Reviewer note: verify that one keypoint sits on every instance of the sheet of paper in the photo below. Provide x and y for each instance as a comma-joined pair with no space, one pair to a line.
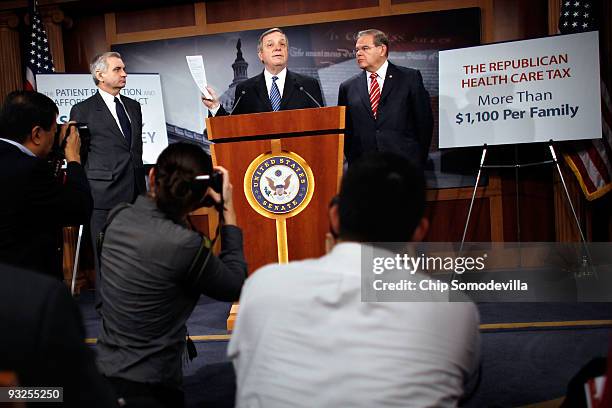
198,73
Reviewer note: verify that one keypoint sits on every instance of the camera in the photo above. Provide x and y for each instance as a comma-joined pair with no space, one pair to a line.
57,153
214,181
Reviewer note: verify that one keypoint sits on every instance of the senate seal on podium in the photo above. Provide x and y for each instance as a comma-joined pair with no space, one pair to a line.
279,185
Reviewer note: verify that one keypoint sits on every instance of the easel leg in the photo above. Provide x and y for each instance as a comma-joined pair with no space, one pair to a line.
516,188
586,258
569,201
467,222
76,260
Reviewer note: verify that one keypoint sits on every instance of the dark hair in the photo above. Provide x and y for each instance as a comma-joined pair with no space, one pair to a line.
24,110
382,199
379,37
177,192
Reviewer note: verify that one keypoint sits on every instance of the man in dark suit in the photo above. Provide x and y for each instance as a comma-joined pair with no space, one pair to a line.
114,165
35,204
388,108
43,340
276,88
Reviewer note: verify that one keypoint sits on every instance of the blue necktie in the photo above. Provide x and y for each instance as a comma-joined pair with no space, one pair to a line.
126,127
275,96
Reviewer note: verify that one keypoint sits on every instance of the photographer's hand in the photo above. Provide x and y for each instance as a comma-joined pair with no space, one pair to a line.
229,214
72,151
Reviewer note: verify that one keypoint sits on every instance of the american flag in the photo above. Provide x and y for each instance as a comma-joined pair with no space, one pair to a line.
589,160
38,56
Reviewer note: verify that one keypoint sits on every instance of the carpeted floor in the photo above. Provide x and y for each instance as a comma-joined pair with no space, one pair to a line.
520,365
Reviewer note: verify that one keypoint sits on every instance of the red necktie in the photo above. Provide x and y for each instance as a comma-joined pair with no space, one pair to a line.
374,93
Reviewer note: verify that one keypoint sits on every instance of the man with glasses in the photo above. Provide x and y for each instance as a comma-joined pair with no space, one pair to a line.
276,88
35,205
388,108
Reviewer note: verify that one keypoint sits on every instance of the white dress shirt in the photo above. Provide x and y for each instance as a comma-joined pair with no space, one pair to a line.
304,338
19,146
280,82
109,100
380,78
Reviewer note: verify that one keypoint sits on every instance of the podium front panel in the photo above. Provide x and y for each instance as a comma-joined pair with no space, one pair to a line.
306,230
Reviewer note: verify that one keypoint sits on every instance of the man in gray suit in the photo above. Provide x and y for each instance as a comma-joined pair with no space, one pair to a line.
114,165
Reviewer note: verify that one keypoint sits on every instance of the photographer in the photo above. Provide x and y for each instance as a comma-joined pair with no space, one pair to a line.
35,205
154,268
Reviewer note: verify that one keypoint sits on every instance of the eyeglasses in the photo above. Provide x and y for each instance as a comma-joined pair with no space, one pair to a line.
365,48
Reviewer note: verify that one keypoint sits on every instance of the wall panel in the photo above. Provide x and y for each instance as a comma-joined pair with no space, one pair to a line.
231,10
447,221
154,19
83,41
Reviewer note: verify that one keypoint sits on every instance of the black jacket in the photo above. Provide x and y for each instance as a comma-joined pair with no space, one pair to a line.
43,340
404,122
255,98
114,169
35,206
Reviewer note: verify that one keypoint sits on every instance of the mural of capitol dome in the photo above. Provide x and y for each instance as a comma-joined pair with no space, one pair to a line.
240,74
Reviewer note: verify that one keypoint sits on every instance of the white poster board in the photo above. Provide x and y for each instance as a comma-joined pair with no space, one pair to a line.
521,92
67,90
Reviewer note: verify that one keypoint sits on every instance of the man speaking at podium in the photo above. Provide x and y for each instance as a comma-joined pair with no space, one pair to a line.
276,88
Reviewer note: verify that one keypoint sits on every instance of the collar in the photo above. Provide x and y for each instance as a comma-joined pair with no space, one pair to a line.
347,256
146,204
19,146
281,76
108,98
382,71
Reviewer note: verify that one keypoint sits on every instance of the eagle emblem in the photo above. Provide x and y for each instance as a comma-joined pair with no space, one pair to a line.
279,189
278,185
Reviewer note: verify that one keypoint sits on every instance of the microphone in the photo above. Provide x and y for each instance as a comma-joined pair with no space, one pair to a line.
237,102
301,88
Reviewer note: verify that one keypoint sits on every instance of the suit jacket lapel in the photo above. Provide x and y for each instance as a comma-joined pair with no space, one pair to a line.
108,117
287,90
262,92
132,114
389,82
362,84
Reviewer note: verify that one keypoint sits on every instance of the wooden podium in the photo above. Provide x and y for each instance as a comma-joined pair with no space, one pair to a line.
241,143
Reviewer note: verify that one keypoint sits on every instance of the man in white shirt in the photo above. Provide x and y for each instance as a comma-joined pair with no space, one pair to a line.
276,88
304,338
114,164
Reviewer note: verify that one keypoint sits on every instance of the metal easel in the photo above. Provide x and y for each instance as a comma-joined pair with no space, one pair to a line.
516,166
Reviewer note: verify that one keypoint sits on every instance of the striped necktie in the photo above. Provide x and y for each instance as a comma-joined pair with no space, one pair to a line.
275,96
374,93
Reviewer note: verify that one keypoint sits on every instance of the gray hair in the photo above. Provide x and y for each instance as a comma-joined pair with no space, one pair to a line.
100,63
380,38
270,31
